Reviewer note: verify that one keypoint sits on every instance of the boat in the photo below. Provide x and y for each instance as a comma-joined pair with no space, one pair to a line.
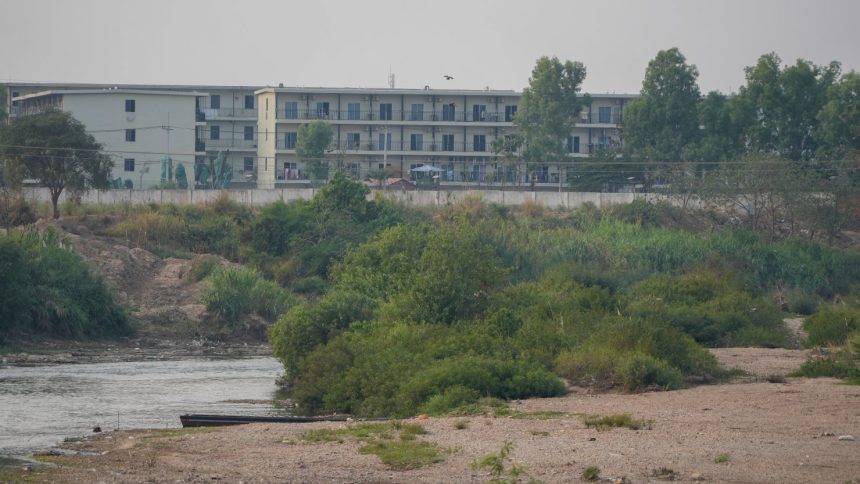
201,420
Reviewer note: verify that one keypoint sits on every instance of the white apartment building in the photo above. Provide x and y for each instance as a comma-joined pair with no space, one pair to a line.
135,127
392,129
401,129
225,120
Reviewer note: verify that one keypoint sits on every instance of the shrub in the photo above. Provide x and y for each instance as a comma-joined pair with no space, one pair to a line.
591,473
831,326
202,267
614,421
237,292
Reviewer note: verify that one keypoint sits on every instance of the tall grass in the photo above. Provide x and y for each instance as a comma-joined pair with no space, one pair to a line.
234,293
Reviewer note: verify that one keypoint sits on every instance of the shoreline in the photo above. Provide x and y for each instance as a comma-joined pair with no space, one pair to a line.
59,352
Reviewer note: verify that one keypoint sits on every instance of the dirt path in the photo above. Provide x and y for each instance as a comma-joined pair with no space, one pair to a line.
769,432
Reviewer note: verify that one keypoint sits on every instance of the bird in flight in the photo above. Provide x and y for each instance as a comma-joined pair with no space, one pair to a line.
447,77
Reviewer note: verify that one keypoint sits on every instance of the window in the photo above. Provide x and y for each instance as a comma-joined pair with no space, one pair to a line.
291,110
322,110
353,141
130,135
128,164
215,101
249,133
509,113
215,132
604,114
479,112
417,112
290,140
416,141
249,101
353,111
249,163
573,144
447,142
129,105
385,112
448,111
382,141
479,142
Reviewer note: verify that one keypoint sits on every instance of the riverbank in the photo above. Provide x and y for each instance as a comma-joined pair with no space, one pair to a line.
762,428
56,352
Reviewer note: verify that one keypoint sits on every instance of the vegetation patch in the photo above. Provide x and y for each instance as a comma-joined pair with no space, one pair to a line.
591,473
500,465
614,421
722,458
404,454
356,432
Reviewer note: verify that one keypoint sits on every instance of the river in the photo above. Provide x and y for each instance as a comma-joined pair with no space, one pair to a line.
41,406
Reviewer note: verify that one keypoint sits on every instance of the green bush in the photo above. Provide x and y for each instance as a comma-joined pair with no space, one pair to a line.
831,326
203,266
53,292
234,293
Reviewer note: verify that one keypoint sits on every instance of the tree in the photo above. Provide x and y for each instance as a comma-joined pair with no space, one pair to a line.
54,148
311,143
778,107
663,123
549,108
839,119
719,133
3,99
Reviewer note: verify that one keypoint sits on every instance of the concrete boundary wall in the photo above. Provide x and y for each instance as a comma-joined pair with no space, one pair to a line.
566,200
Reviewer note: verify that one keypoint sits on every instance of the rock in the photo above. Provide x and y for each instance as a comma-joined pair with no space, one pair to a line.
97,429
696,477
846,437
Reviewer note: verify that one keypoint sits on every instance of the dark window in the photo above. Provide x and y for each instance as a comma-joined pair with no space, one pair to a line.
322,110
447,142
509,113
417,112
291,110
573,144
479,112
249,102
290,140
479,142
249,133
382,141
249,163
129,105
448,111
385,112
604,114
130,135
416,142
215,101
215,132
128,163
353,111
353,141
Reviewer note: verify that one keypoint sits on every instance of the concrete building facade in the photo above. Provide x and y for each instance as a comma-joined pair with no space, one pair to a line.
398,130
137,128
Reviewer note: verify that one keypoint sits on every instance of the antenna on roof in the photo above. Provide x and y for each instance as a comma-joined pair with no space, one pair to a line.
390,78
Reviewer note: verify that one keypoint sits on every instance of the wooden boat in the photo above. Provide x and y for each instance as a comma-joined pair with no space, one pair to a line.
198,420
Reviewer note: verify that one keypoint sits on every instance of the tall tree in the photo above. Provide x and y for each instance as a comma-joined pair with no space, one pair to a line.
839,119
54,148
719,138
662,123
312,140
779,106
549,108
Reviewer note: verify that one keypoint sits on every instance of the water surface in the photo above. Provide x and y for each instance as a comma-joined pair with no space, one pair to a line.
40,406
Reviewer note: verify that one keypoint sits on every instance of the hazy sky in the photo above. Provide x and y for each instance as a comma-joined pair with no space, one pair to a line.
356,42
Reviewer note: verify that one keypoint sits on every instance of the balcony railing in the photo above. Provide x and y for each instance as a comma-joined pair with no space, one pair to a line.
231,143
596,118
404,146
199,146
229,113
423,116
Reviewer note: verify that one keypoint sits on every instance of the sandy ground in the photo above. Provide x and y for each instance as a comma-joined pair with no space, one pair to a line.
771,432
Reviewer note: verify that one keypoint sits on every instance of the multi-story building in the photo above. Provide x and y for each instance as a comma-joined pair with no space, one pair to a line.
457,132
225,120
454,131
137,128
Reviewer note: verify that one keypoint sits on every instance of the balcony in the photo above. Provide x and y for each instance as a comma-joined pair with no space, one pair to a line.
402,147
404,116
595,118
212,113
234,144
200,116
199,146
